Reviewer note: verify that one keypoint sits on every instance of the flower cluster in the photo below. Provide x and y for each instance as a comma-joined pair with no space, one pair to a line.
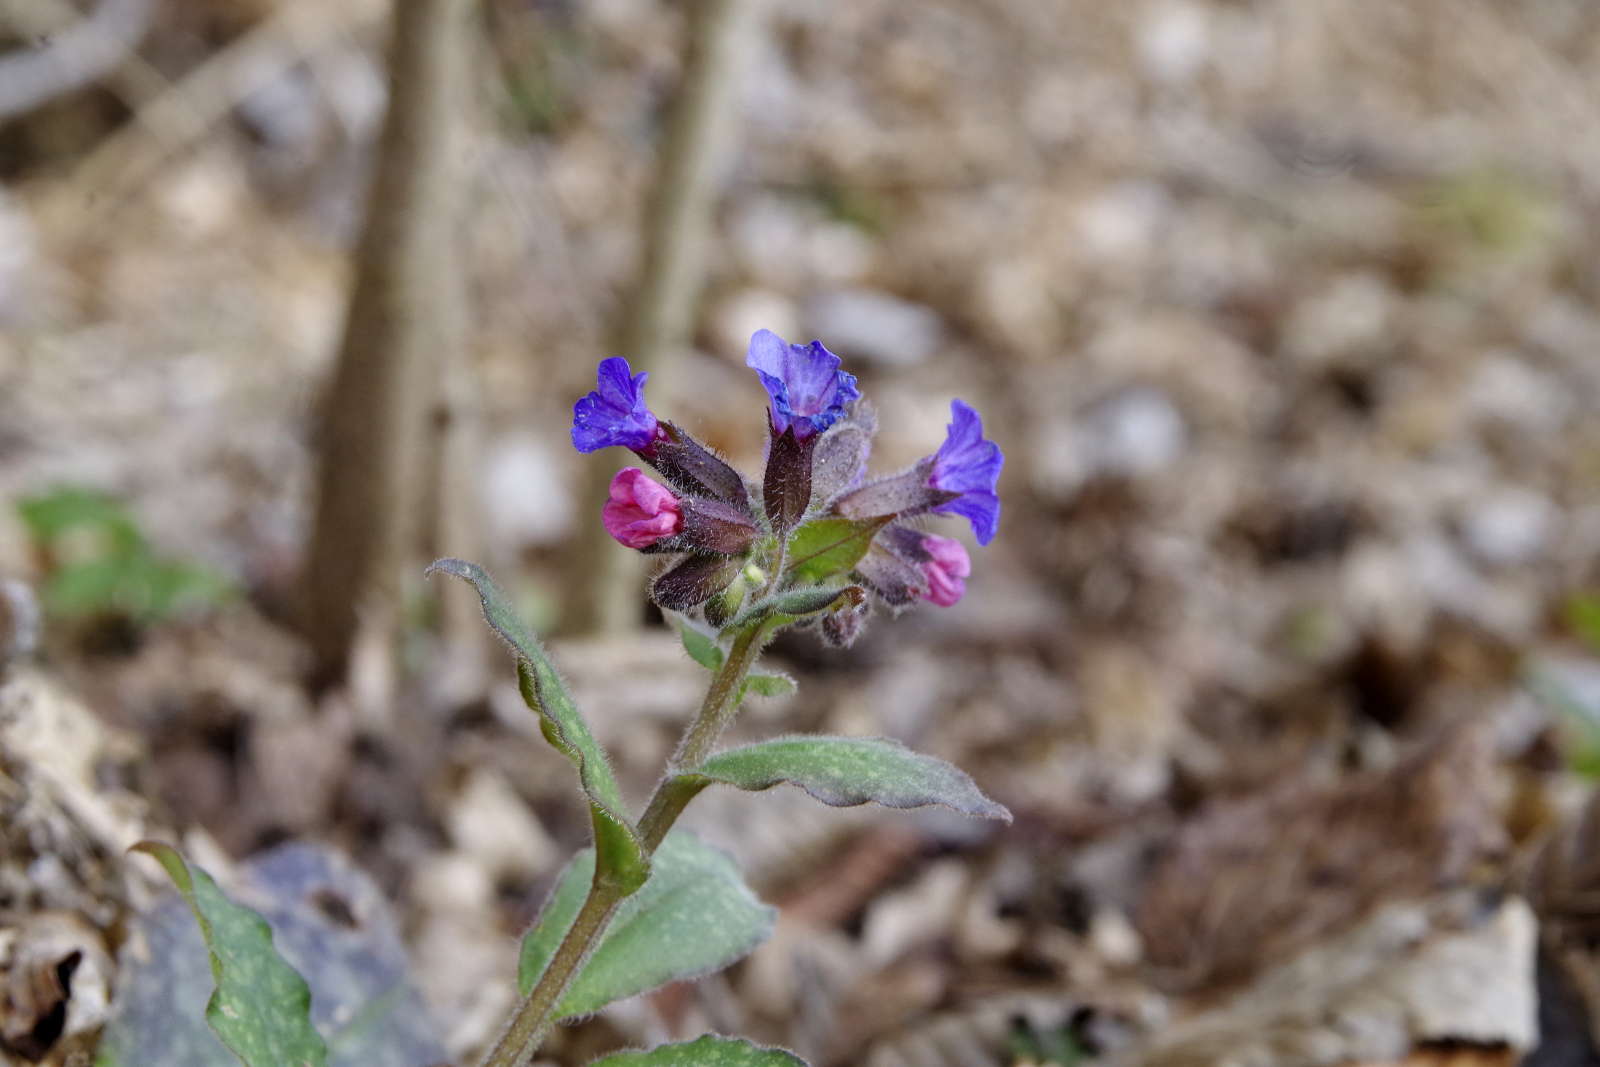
815,520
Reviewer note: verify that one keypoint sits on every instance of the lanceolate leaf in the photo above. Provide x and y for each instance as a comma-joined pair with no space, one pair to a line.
827,547
622,854
844,771
695,915
708,1051
261,1007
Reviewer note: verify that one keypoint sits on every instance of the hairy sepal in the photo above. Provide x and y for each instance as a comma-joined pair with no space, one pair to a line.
694,470
786,484
906,493
841,456
694,580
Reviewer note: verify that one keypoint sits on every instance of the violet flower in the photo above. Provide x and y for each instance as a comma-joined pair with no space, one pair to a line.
809,392
615,412
969,465
946,569
641,510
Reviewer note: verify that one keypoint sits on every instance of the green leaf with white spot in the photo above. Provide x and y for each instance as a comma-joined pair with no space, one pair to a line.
694,916
623,860
845,771
707,1051
828,547
261,1007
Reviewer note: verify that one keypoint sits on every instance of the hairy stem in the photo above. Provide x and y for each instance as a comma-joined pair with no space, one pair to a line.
721,702
532,1021
533,1018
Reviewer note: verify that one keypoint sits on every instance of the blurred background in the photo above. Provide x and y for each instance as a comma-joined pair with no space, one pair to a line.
1287,654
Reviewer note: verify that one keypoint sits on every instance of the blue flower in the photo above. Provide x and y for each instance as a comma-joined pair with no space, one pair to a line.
615,413
808,390
969,465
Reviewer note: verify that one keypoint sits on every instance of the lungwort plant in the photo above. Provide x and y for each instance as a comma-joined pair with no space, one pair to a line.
814,544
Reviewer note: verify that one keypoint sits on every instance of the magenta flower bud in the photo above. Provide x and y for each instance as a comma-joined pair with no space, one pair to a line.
946,569
641,511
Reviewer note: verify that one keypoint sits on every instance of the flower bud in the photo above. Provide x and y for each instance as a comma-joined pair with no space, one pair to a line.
641,511
693,469
946,569
897,581
841,628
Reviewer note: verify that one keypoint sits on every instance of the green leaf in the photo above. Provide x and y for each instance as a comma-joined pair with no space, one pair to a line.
330,922
826,548
707,1051
702,647
695,915
767,685
845,771
794,606
261,1007
623,859
51,514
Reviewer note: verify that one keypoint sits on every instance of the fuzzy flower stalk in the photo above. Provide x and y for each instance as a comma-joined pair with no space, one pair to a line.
814,542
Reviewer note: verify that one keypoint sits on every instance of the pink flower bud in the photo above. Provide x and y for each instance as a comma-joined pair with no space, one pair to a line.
945,568
641,511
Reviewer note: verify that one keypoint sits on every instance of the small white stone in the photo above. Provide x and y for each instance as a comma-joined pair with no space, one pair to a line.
1352,317
452,882
1509,526
526,498
1507,389
1175,43
492,824
1136,432
1123,222
742,312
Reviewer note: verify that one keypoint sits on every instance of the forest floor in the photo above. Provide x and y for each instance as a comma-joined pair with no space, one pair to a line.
1286,659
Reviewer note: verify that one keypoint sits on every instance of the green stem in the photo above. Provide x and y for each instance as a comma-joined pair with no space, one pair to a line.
532,1021
721,702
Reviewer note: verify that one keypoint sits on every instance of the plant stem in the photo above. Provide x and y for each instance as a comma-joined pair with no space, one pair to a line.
722,700
532,1021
